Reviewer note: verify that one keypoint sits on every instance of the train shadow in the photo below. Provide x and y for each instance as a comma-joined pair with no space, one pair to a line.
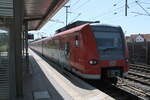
75,80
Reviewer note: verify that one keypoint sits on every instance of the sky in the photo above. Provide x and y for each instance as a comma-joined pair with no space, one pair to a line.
111,12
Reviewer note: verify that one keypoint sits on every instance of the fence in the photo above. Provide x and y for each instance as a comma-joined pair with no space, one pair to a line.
139,52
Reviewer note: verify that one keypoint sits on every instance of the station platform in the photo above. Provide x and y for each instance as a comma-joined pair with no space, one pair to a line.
36,86
44,82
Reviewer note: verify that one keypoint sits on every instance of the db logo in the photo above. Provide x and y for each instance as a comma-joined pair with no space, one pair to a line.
112,63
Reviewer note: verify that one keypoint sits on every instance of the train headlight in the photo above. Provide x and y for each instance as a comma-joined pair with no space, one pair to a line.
93,62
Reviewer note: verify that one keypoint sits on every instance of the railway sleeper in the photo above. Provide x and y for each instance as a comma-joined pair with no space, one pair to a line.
140,75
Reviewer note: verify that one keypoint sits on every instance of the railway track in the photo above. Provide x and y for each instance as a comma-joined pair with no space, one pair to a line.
137,77
139,73
141,91
144,69
135,86
137,81
114,91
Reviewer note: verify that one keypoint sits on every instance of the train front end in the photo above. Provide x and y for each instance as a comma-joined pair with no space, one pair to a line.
112,51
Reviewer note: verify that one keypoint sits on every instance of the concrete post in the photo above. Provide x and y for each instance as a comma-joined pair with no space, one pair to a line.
12,78
18,22
26,46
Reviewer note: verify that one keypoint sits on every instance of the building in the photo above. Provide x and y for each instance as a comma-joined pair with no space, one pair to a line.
139,37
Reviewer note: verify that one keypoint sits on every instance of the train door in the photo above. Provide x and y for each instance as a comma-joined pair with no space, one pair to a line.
75,51
58,51
64,52
67,54
61,52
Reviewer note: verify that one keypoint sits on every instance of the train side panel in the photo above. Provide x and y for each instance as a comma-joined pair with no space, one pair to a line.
77,50
88,52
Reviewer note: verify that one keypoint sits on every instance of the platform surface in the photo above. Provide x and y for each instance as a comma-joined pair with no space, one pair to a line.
49,84
36,86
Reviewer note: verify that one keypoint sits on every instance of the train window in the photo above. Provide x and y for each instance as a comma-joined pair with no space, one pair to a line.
109,44
76,42
67,48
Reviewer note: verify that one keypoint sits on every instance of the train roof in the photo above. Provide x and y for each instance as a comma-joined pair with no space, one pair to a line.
104,25
77,26
74,24
74,29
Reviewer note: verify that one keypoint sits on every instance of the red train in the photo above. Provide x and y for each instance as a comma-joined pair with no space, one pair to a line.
90,51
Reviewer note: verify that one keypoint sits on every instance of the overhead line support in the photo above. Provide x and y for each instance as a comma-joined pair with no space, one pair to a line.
126,7
67,14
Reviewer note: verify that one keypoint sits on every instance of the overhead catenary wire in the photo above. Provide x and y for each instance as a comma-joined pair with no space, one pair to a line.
76,17
87,1
103,14
108,12
82,5
56,21
145,2
76,3
138,13
142,7
115,17
120,1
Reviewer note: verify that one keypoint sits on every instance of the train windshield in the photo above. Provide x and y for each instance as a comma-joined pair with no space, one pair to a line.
109,45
